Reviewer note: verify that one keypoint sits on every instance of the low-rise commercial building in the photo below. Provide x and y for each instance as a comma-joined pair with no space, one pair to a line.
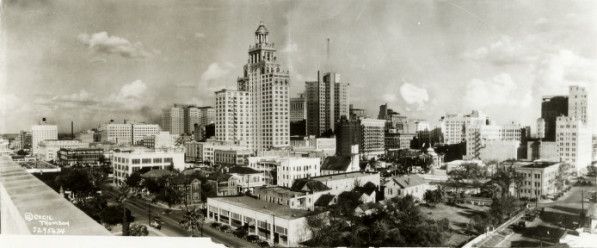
160,140
339,183
539,178
277,224
247,178
232,156
206,150
124,163
80,156
190,151
48,149
302,195
292,168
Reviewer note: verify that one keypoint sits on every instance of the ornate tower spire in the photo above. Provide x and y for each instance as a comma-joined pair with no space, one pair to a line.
261,34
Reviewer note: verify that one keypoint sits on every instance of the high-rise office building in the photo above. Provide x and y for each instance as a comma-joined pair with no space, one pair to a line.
41,132
297,108
574,142
348,133
356,113
479,135
454,126
141,130
261,120
540,128
118,133
551,108
327,101
233,118
173,119
577,103
127,133
372,137
192,116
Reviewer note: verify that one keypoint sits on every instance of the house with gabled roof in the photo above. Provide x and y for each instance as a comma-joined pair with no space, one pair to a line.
400,186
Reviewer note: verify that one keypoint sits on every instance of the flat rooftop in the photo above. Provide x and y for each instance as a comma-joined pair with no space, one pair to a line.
281,190
263,206
37,165
345,175
38,207
538,164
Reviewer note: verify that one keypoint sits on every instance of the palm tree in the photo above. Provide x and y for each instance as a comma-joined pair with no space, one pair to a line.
193,219
123,194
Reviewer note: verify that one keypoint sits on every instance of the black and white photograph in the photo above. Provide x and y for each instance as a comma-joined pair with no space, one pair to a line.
280,123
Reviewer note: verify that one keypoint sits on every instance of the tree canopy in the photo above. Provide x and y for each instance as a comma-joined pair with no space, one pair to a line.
398,223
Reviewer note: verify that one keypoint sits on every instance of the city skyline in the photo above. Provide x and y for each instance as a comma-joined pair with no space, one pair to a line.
131,66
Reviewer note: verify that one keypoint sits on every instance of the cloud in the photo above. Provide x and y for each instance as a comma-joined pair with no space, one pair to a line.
504,51
498,91
213,78
389,97
130,96
82,98
290,47
413,94
554,72
102,43
199,35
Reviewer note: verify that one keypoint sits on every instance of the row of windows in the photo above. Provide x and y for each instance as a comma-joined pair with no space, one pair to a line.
149,160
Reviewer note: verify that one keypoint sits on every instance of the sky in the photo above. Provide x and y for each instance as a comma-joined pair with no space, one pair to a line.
92,61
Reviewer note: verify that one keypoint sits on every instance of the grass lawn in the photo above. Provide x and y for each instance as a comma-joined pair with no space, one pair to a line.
459,217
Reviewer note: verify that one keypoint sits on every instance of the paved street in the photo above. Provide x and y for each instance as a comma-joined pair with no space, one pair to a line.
560,214
172,228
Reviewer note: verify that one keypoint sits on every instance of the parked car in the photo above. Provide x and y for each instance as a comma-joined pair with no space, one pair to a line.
263,243
252,238
215,225
224,228
156,223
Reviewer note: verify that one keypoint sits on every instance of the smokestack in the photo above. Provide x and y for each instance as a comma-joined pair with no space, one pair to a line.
72,131
124,121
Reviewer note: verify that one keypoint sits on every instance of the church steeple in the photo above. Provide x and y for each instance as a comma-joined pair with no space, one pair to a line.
261,34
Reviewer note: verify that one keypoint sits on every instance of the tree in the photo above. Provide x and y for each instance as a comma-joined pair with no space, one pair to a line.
193,219
111,215
562,176
502,207
433,197
398,223
347,202
134,180
123,194
472,172
138,230
78,181
505,176
22,152
92,206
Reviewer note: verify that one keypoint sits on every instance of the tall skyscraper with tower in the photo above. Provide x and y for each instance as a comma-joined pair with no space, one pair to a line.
327,100
257,113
